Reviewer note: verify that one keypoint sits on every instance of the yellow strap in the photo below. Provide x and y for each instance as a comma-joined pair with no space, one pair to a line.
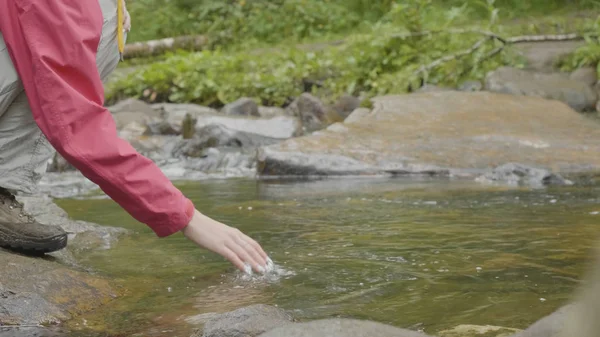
120,33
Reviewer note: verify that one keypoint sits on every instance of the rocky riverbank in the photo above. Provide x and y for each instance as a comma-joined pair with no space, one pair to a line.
46,291
268,321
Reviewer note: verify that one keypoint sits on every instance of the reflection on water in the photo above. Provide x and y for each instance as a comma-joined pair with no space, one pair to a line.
425,254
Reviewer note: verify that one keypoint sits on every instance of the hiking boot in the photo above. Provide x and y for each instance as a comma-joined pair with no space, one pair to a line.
20,232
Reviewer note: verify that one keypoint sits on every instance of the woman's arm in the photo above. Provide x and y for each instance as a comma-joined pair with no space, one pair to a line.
53,45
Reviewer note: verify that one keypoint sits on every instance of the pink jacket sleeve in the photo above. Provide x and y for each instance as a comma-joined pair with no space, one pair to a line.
53,45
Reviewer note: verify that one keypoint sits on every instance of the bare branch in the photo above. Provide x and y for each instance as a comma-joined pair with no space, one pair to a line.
454,56
450,31
544,38
156,47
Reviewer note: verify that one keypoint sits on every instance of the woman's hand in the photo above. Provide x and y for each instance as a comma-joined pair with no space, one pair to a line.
226,241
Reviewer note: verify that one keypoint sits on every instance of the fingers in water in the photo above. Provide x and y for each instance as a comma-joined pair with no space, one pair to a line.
234,259
243,255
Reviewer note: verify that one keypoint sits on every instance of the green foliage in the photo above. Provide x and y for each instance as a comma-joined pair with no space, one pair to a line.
383,57
585,56
385,60
269,21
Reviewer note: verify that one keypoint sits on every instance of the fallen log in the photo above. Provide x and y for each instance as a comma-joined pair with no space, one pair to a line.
157,47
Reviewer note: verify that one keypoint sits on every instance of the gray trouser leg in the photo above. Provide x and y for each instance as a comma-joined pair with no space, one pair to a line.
24,150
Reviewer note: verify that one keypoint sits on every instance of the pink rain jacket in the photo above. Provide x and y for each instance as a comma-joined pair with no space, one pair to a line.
53,46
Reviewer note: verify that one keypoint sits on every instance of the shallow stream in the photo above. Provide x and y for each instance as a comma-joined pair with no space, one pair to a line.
420,254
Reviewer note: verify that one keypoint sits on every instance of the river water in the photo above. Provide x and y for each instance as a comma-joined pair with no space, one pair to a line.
420,254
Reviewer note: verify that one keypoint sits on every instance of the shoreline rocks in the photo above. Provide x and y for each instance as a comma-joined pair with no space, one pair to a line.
49,290
442,133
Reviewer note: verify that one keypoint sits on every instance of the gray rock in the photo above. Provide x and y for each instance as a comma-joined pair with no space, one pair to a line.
357,115
585,75
82,235
507,80
549,326
345,105
310,110
215,135
242,107
442,133
172,114
432,88
49,290
133,111
468,330
518,174
132,105
543,56
246,322
471,86
340,328
282,127
59,164
31,332
270,111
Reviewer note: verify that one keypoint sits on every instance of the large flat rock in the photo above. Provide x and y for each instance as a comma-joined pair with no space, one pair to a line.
443,132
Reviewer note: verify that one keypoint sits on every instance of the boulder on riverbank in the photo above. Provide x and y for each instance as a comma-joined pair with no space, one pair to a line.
467,330
246,322
51,289
340,328
442,133
553,86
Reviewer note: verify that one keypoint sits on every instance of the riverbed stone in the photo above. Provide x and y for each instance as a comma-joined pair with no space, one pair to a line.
522,175
340,328
556,86
31,332
468,330
441,133
246,322
242,107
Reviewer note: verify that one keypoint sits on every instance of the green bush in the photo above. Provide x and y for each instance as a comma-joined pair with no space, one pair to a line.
387,57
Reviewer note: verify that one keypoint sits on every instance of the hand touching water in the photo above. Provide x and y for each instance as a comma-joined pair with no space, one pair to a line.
226,241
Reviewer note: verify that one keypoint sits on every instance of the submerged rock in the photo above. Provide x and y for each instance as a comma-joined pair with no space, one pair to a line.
340,328
578,95
246,322
31,332
442,133
517,174
466,330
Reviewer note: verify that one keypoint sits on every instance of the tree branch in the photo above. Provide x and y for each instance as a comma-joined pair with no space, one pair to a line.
489,36
157,47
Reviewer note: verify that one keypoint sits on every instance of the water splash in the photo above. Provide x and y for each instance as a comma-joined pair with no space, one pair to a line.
273,273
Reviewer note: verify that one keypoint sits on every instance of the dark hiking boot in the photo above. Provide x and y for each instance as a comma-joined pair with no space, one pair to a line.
20,232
